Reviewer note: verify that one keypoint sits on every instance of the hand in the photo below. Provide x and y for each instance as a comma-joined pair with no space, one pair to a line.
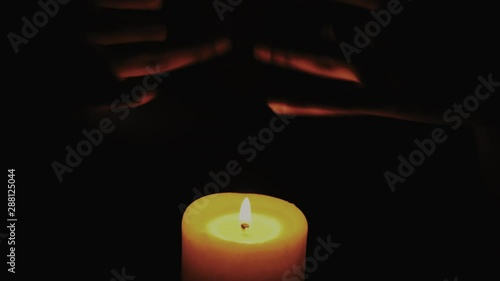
382,80
136,26
424,82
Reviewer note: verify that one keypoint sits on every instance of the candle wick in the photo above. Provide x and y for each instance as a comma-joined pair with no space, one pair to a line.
244,225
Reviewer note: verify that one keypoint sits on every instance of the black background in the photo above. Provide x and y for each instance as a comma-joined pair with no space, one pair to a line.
119,208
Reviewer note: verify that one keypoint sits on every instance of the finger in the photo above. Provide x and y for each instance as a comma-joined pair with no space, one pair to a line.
130,102
130,4
319,110
358,101
283,108
137,65
407,113
155,33
326,67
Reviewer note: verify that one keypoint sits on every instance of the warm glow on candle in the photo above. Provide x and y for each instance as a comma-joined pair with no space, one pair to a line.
260,242
263,228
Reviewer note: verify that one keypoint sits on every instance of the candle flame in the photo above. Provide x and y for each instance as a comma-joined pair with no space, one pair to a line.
245,213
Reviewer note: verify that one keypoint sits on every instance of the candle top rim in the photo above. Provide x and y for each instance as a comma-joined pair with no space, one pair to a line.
205,209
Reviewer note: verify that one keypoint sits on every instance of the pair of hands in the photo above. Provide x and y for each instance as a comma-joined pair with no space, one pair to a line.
374,87
385,97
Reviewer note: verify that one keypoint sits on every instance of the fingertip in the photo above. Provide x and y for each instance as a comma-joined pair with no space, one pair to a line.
262,53
104,110
146,98
283,108
279,108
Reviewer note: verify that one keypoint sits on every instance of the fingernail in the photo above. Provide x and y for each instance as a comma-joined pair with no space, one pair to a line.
146,98
221,46
262,53
278,108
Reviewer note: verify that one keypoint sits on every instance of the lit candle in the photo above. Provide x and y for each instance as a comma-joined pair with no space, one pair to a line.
240,237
